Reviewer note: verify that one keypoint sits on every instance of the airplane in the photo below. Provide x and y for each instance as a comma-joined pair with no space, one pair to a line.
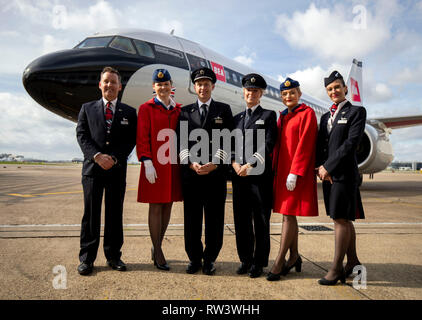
62,81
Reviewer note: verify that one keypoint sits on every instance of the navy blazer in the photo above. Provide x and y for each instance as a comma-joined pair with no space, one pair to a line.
260,119
336,150
93,136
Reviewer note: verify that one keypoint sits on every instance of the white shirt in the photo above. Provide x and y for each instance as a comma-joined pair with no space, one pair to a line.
201,103
113,104
332,117
172,103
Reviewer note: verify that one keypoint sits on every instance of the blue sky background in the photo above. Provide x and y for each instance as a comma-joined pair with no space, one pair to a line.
302,39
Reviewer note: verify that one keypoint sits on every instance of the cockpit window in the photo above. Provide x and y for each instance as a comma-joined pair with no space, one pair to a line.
144,49
123,44
94,42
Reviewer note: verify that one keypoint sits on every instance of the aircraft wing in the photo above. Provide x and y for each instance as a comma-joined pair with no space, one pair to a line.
400,122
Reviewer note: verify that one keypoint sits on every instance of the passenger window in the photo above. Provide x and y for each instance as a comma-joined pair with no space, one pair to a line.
94,42
122,44
144,49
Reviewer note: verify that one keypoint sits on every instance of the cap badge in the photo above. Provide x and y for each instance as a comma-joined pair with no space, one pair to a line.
337,75
201,72
160,75
253,80
287,83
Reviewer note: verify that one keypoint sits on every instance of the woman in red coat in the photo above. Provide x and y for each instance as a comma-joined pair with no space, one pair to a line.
295,189
159,179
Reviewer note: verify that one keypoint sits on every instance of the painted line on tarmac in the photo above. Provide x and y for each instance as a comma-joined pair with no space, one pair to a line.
50,193
181,224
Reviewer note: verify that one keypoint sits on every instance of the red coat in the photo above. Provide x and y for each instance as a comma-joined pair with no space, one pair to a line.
295,153
151,119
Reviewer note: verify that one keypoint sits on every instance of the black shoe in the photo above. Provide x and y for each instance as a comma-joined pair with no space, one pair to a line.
164,266
273,276
325,282
85,268
297,265
118,265
243,268
349,271
193,267
255,271
208,268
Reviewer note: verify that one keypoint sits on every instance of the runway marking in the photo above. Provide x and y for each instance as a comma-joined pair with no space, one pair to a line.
181,224
49,193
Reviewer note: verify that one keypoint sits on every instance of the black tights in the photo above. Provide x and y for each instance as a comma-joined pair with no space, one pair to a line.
158,220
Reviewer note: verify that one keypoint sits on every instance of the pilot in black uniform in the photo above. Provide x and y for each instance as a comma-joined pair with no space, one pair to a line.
253,178
204,166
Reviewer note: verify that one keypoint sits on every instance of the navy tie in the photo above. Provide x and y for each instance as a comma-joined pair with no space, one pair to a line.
204,113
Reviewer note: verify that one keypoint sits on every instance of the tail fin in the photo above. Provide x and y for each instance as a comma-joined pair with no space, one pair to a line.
354,83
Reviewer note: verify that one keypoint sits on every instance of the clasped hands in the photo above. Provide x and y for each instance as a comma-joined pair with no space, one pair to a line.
203,169
323,174
105,161
240,170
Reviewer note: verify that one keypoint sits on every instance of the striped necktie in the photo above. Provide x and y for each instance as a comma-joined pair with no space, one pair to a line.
109,115
333,109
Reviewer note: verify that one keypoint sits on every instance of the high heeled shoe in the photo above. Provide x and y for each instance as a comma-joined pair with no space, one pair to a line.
325,282
164,266
274,276
349,271
297,265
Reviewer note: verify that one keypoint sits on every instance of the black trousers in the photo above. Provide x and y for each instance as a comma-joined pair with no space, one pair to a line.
252,198
114,186
204,196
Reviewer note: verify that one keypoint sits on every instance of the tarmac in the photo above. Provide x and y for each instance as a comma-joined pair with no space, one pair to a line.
40,214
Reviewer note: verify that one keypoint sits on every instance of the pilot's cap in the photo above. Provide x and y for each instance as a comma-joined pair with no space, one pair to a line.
161,75
254,80
289,83
335,75
203,73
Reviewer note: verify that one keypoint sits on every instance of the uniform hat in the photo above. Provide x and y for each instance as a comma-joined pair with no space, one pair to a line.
289,83
335,75
203,73
161,75
254,80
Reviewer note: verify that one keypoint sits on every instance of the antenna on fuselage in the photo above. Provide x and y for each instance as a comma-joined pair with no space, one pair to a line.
172,32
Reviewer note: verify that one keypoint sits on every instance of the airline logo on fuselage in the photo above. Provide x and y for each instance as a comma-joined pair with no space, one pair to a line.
219,71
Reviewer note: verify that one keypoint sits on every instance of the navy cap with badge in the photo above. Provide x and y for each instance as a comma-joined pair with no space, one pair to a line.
161,75
335,75
289,83
254,80
203,73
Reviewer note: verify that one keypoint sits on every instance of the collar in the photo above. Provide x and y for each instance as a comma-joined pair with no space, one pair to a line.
253,108
113,103
286,111
208,103
158,101
341,104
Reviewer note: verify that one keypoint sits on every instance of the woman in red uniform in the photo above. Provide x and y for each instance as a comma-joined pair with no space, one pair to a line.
295,189
159,179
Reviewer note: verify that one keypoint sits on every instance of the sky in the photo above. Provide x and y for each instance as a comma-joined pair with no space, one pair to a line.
304,40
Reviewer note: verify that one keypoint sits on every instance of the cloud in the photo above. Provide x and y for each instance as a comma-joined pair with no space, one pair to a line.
331,33
246,57
34,132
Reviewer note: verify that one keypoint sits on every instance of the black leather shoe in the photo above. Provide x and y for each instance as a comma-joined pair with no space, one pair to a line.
85,268
118,265
255,271
325,282
193,267
297,265
208,268
243,268
273,276
164,266
349,271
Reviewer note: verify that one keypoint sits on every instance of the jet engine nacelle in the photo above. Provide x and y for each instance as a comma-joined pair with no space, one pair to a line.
375,151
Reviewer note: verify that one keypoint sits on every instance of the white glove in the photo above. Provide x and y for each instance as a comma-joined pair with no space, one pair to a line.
291,182
150,172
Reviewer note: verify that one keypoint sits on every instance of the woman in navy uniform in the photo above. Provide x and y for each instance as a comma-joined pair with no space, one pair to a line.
159,180
340,132
204,172
252,192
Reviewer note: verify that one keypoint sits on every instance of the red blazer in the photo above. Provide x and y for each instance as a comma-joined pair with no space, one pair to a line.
151,119
295,153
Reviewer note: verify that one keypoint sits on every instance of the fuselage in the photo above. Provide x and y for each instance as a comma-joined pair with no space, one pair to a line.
62,81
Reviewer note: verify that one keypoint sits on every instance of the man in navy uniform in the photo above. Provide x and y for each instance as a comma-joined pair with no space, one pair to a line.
340,131
106,133
204,172
252,192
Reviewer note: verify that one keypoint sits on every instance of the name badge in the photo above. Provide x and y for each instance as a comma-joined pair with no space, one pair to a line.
342,121
124,121
260,121
218,120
